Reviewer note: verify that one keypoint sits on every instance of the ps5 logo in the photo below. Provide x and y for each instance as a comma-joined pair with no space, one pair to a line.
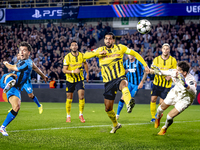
46,13
37,14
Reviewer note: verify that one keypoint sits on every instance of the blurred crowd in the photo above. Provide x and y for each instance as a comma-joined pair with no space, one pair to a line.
184,40
51,43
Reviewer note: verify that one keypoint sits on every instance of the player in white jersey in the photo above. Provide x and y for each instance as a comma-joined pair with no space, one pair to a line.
180,96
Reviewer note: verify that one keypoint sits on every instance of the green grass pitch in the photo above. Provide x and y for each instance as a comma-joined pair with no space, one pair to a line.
30,130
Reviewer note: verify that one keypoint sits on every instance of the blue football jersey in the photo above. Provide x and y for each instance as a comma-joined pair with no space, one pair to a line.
24,73
135,71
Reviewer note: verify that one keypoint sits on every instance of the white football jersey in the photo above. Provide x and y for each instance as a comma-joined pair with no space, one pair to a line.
190,80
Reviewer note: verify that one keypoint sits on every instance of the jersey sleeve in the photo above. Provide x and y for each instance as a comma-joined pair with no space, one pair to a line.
136,55
84,60
174,64
66,61
94,53
123,48
154,62
170,72
22,66
192,90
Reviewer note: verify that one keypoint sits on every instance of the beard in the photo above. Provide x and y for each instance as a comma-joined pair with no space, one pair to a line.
74,51
109,46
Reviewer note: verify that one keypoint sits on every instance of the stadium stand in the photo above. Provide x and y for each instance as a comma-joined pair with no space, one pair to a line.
51,42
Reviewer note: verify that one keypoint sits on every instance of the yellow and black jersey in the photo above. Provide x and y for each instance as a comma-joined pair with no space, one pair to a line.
111,64
74,62
167,64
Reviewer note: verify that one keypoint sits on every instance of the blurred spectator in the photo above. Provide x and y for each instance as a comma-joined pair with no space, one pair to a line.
52,83
148,83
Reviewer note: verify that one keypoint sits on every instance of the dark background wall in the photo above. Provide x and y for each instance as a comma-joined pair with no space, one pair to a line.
91,96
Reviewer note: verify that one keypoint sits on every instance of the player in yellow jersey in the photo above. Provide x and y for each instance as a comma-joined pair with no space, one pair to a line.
113,73
72,67
161,84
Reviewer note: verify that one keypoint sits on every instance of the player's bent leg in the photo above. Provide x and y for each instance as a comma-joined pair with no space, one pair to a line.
34,98
15,102
111,114
120,106
130,102
10,81
153,107
159,115
81,104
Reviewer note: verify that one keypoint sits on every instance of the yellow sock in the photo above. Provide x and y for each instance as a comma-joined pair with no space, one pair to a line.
126,95
68,106
112,116
81,105
153,109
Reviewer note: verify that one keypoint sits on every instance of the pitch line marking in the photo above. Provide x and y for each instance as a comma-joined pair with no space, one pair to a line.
95,126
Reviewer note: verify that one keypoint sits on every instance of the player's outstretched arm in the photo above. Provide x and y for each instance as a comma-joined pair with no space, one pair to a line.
38,71
138,57
11,67
94,53
142,81
87,71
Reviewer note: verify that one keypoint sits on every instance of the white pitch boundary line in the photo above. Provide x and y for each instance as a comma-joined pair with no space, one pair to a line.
96,126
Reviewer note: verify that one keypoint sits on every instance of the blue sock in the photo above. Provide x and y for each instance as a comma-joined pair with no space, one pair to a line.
36,101
11,115
120,106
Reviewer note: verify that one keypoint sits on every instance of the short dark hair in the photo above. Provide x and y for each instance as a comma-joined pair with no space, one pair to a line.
110,33
74,41
184,66
24,43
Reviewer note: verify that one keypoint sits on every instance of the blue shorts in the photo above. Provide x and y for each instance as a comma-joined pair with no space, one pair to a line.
28,87
12,92
133,89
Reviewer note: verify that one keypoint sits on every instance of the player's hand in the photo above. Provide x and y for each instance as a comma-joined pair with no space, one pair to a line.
168,78
77,70
147,70
45,78
103,53
156,70
140,85
5,62
126,71
87,77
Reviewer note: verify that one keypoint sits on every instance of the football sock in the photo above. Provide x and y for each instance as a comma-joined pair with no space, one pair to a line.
120,106
68,106
159,111
81,106
153,109
112,116
168,122
11,115
126,95
36,101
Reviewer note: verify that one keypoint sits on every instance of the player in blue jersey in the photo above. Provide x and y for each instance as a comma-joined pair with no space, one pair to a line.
13,82
29,88
136,77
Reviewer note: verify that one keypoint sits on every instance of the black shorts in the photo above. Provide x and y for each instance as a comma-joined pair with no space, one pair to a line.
112,87
159,91
70,87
